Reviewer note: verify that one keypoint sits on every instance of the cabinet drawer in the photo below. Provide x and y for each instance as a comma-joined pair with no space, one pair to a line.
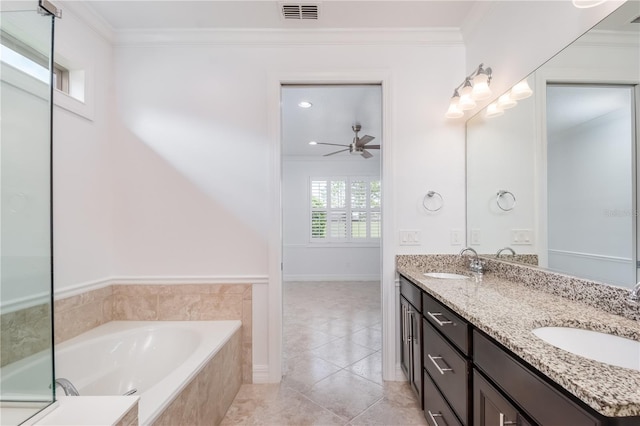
411,292
436,410
490,407
451,325
538,399
448,369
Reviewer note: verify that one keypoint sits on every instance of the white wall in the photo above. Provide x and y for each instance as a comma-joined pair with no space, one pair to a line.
83,169
305,261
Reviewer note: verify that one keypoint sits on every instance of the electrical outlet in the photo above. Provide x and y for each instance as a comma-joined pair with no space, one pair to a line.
409,238
475,237
522,237
456,237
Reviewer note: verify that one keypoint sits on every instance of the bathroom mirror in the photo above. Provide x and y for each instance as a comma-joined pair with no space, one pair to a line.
26,355
555,176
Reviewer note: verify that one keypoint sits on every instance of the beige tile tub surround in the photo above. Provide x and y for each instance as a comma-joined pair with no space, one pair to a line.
206,399
131,418
24,332
148,302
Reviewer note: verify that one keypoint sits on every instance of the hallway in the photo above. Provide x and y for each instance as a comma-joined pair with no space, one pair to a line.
332,364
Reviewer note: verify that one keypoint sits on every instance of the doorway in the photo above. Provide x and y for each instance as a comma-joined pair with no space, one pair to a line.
331,241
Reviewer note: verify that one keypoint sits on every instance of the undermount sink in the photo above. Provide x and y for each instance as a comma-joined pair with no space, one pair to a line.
602,347
446,276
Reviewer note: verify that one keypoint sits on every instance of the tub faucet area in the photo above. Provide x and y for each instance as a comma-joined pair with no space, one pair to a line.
67,386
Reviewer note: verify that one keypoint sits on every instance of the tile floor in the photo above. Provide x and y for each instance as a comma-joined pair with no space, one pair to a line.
332,364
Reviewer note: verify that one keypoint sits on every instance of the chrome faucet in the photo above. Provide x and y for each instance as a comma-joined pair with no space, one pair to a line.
67,387
475,265
635,293
513,252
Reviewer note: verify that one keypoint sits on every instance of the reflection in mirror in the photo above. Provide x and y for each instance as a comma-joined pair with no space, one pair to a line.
568,154
26,355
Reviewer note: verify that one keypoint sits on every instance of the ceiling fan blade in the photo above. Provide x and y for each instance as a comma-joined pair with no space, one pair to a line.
364,140
366,154
333,144
373,147
342,150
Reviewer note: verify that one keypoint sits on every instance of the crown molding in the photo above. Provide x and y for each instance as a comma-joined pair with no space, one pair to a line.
89,16
288,37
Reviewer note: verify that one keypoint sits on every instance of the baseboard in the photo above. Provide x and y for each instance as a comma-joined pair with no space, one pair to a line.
361,277
400,377
260,374
158,280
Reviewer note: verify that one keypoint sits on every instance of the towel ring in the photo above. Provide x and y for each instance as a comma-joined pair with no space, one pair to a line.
432,195
507,206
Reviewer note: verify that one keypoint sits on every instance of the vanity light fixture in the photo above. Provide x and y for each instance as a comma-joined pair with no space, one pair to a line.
505,102
305,104
585,4
521,91
475,87
454,111
313,143
494,110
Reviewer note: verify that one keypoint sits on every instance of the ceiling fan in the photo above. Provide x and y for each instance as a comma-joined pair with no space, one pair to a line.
357,146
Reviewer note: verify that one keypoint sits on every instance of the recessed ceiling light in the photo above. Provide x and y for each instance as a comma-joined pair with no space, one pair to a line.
305,104
313,143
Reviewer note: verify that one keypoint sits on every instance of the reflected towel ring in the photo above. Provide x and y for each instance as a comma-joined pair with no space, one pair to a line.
435,196
507,205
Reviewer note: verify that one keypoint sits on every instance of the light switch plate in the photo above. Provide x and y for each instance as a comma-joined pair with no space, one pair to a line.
522,237
475,237
409,237
456,237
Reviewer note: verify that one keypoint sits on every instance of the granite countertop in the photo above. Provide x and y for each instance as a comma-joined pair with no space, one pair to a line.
508,311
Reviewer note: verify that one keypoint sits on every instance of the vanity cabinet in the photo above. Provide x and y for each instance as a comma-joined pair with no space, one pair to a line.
411,332
464,377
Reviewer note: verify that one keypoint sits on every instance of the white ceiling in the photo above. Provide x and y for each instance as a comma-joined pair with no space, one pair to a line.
335,109
164,14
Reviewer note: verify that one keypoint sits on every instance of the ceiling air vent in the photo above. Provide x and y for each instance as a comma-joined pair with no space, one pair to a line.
300,11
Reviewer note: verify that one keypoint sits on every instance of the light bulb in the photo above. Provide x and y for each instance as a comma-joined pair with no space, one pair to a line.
454,110
481,88
505,102
494,110
521,91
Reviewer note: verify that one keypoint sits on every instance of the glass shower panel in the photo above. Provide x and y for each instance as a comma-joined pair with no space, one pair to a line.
26,355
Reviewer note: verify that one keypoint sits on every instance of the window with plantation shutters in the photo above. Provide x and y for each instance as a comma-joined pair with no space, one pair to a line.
345,209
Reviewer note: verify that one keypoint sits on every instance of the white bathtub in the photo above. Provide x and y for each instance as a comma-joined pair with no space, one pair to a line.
158,358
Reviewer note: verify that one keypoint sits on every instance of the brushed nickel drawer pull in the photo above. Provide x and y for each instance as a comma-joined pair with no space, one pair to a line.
433,418
505,423
433,360
435,315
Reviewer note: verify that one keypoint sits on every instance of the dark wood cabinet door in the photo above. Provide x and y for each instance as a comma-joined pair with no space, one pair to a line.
491,408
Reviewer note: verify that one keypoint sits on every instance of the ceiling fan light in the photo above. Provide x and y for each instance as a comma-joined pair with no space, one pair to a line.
505,102
494,110
521,91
